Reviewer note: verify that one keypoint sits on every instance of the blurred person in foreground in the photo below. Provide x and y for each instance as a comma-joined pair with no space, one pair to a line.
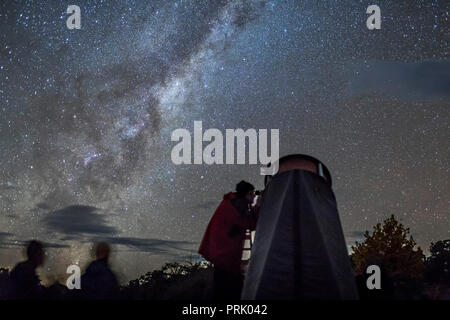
99,282
24,283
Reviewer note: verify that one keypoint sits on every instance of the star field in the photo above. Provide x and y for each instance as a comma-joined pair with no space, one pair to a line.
86,117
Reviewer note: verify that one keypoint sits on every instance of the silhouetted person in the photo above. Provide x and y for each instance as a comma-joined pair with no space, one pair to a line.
99,282
223,240
24,283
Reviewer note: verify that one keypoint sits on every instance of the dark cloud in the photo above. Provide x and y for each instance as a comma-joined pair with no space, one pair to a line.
86,224
420,80
6,243
155,246
78,220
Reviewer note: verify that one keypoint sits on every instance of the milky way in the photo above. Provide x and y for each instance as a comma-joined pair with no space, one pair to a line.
86,117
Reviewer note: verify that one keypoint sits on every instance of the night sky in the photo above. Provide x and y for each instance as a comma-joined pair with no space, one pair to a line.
86,117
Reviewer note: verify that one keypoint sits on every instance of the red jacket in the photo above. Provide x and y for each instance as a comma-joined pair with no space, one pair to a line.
224,238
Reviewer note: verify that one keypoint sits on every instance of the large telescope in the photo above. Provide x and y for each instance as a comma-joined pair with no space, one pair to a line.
299,250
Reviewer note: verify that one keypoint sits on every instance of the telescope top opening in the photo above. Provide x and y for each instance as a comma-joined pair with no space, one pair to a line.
301,162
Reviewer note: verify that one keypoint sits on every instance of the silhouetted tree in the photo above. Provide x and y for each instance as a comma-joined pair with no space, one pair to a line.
437,265
172,282
391,245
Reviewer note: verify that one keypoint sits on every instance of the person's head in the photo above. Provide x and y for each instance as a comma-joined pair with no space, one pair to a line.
245,190
35,253
102,251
